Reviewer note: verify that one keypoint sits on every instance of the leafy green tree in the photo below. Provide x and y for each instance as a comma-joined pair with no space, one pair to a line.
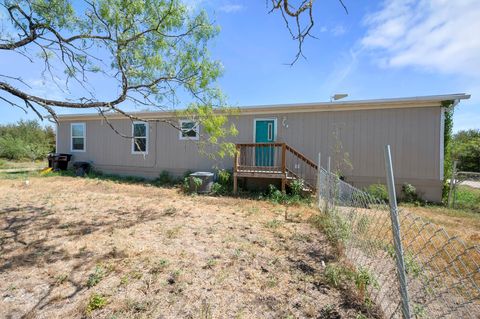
154,53
26,140
466,150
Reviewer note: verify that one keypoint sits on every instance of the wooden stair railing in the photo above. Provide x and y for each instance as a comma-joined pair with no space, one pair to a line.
282,161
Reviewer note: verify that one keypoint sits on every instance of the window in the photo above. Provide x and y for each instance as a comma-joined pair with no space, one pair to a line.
77,134
189,130
140,137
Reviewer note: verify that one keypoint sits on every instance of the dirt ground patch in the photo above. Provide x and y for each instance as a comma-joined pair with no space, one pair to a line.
73,248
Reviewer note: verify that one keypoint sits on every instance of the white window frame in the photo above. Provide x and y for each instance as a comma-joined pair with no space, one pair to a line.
84,136
189,138
146,137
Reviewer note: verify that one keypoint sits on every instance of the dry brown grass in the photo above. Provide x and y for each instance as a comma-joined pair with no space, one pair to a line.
156,253
461,223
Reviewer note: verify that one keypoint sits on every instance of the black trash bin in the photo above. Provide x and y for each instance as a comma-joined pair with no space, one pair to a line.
81,168
59,161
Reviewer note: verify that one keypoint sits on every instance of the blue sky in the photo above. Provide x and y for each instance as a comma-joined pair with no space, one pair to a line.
380,49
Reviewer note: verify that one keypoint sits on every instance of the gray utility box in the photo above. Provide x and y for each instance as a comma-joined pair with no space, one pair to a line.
207,182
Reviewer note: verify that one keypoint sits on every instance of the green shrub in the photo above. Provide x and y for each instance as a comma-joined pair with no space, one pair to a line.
187,173
186,185
409,193
164,179
12,148
224,177
466,150
96,301
95,277
218,189
275,195
378,191
334,226
339,275
26,140
296,187
467,198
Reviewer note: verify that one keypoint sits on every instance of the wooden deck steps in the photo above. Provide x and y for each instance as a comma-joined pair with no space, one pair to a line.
275,161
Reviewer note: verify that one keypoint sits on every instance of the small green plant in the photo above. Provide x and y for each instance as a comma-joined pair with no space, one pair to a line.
419,311
296,187
224,177
363,279
164,179
274,223
210,263
378,191
197,182
275,195
186,185
124,280
409,193
169,211
159,266
96,301
95,277
60,279
218,189
339,275
412,267
336,227
272,281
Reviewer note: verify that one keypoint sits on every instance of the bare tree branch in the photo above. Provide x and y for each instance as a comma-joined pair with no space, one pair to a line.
294,13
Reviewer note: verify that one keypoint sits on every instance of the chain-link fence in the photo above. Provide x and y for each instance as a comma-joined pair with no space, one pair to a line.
442,271
459,178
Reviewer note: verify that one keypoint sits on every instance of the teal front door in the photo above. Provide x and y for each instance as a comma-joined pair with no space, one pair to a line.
264,133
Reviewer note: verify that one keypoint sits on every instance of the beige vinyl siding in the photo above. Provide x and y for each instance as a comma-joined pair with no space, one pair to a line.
413,133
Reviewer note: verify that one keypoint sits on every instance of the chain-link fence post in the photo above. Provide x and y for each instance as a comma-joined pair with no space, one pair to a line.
319,181
329,179
392,198
452,183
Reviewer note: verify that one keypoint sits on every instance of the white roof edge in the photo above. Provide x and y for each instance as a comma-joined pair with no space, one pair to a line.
428,98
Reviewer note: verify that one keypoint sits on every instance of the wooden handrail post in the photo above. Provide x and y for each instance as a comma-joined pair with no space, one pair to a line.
284,166
235,169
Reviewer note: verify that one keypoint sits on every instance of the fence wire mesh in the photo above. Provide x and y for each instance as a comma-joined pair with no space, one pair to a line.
443,273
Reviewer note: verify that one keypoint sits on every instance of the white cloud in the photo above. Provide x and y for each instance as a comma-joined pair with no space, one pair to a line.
439,35
338,30
48,88
231,8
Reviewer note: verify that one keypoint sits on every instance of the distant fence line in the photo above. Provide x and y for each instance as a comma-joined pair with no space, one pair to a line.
426,273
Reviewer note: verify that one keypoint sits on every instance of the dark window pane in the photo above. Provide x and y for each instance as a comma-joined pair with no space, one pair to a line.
189,133
140,144
188,125
139,130
189,129
78,143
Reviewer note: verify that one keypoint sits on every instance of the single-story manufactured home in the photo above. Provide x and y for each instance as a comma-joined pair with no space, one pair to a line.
279,142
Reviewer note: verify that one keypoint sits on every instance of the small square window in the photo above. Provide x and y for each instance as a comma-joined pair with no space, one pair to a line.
140,137
189,130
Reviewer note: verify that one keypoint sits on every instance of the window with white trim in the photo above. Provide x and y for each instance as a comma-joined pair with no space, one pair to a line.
77,137
140,137
189,130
